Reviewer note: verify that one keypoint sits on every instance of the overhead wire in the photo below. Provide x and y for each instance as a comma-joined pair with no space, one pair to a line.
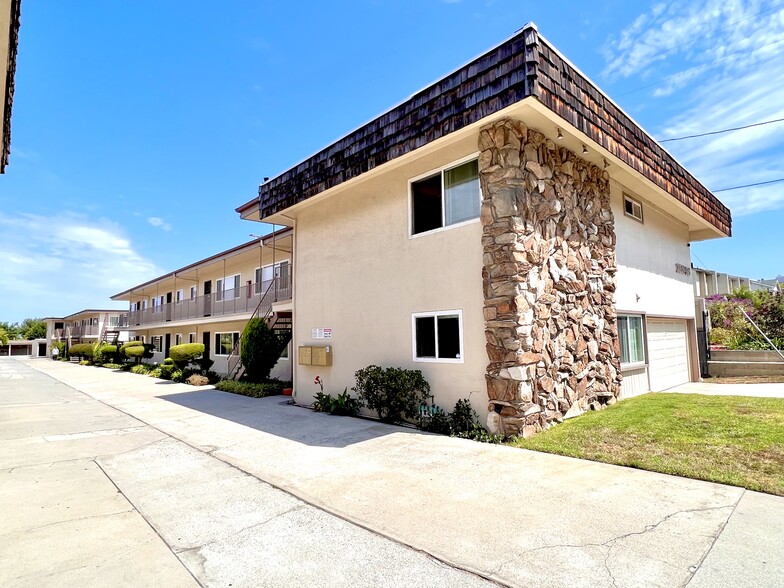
719,132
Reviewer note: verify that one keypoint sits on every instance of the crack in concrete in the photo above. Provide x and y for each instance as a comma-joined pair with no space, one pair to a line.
55,523
242,530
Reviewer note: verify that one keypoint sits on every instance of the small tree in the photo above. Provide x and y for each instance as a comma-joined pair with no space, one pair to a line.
394,393
3,336
260,350
184,354
32,329
136,350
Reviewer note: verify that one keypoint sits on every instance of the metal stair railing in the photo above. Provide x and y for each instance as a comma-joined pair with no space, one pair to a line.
265,304
764,336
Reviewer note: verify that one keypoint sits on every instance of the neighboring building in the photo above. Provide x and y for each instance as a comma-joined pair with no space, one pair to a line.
710,282
508,230
210,301
24,348
9,41
86,326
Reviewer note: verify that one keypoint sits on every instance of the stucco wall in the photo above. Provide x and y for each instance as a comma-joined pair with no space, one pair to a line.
359,273
647,253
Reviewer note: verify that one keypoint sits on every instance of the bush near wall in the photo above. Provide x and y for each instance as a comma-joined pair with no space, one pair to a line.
731,329
81,350
394,393
185,353
248,389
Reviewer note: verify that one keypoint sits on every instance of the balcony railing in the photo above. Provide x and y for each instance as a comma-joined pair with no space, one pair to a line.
242,300
71,331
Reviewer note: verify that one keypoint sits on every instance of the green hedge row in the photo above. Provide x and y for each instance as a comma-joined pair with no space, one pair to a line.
248,389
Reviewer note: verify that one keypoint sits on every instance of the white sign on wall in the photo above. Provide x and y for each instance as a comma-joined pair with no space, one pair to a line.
321,334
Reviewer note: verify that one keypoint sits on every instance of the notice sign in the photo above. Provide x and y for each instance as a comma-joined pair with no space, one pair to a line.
321,334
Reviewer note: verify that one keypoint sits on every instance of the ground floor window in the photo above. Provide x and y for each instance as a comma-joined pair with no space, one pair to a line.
630,331
178,339
438,336
191,337
157,342
224,342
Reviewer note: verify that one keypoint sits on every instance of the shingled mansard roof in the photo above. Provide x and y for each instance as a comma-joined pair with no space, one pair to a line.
525,65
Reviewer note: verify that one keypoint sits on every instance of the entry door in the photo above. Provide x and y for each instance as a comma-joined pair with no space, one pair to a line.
207,297
205,338
168,308
167,345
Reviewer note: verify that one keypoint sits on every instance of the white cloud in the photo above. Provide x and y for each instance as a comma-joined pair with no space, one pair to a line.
722,64
157,221
59,264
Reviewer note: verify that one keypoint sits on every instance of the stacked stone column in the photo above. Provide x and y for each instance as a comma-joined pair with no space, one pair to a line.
549,280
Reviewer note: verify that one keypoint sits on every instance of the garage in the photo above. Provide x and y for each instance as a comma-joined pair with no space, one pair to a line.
668,353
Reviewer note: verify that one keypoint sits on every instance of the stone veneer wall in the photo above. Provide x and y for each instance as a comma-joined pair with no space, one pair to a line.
549,279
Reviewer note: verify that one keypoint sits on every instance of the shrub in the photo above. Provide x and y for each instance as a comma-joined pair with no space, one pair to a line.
60,346
168,361
434,420
205,363
113,366
213,377
176,376
84,362
81,350
197,380
155,373
462,422
140,368
165,371
341,405
260,350
137,350
182,355
394,393
249,389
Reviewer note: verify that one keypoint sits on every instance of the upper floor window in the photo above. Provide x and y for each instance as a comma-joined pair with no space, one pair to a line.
632,207
446,198
178,296
229,288
194,292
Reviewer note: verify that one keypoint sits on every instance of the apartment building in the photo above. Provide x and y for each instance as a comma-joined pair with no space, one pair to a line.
86,326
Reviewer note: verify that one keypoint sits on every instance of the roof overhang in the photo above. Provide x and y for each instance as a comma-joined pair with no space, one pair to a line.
524,72
9,42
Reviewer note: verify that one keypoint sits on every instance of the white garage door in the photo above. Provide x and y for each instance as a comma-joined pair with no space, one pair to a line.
668,354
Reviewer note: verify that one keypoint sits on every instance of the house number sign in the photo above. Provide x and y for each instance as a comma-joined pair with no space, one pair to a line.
321,334
684,270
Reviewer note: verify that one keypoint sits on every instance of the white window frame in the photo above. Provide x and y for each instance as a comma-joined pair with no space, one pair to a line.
222,293
159,346
191,337
220,347
433,172
178,338
435,315
179,296
634,364
194,292
635,203
114,321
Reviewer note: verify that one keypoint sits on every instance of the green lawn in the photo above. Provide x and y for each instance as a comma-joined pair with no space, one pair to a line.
729,439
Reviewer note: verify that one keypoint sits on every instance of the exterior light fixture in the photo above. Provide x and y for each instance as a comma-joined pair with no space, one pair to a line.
585,150
606,163
560,134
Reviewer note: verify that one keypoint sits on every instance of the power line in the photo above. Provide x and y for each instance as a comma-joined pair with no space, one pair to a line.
759,124
749,185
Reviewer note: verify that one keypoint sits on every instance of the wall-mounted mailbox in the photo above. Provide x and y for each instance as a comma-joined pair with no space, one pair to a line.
315,355
305,356
322,355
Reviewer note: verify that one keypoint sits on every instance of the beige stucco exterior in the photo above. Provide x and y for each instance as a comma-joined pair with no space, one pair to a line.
366,284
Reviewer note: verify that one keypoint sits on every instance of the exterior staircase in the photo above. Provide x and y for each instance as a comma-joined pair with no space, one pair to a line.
281,325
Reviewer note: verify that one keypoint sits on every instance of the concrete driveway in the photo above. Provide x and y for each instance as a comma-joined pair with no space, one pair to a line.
515,517
713,389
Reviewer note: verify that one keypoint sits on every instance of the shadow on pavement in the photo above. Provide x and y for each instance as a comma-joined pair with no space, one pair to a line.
275,416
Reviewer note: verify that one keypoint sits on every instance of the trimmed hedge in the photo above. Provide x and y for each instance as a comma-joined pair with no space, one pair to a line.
130,344
81,350
248,389
186,352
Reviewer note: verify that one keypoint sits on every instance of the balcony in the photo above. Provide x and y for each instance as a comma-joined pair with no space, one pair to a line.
238,301
73,332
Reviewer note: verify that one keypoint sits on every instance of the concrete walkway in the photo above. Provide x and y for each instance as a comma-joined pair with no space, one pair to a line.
517,517
713,389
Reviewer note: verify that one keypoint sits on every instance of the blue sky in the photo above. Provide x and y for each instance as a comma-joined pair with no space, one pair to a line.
138,127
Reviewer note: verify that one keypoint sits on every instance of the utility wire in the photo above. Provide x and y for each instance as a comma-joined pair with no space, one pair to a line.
759,124
749,185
